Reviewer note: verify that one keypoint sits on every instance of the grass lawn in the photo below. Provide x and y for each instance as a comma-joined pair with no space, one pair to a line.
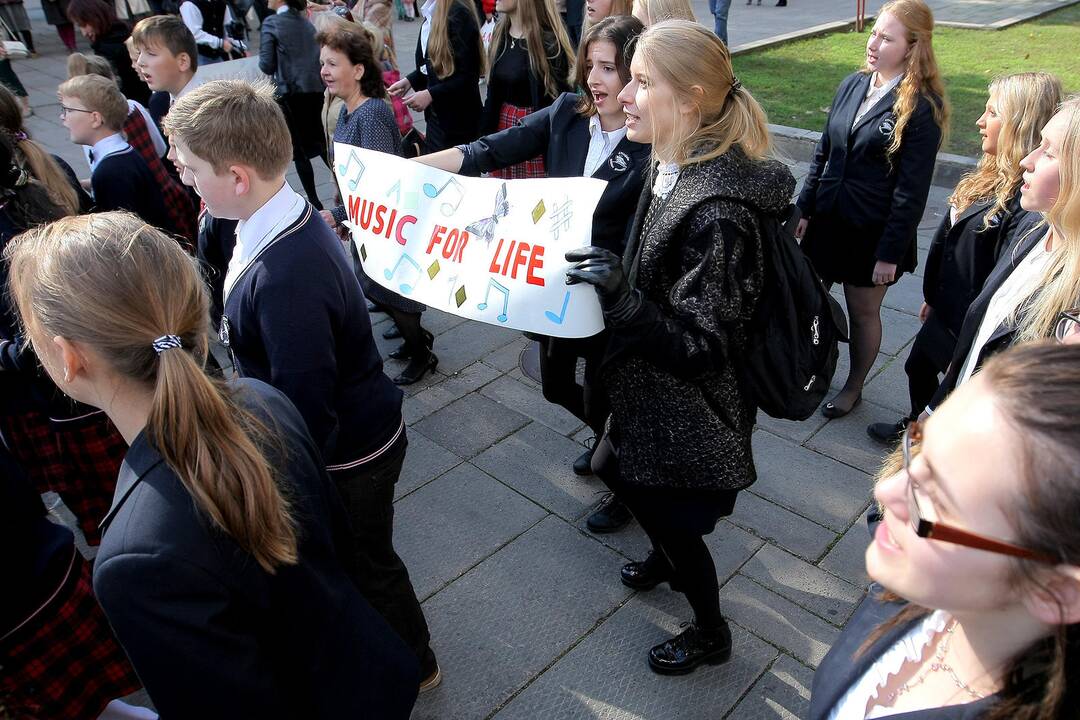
795,82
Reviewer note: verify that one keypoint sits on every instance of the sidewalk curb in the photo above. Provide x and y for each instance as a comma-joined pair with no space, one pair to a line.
798,145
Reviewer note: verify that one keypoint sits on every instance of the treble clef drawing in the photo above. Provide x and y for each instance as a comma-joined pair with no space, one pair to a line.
485,228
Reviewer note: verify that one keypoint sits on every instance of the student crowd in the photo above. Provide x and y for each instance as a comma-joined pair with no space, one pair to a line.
244,514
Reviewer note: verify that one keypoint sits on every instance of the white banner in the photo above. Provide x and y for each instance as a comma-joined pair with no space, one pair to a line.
481,248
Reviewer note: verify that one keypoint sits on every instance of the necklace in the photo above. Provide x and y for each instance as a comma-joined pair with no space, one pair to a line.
939,665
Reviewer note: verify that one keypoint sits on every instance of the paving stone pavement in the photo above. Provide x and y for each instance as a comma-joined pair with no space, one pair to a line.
527,614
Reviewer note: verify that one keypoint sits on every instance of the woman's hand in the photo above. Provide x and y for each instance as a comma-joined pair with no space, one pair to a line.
399,88
418,101
800,229
884,273
329,218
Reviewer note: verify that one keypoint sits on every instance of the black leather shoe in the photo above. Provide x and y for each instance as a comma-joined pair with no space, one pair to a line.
417,369
888,433
647,574
392,333
583,465
404,353
430,672
832,411
609,516
690,648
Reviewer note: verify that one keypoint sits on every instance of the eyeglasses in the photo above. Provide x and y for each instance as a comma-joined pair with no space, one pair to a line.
946,533
1068,324
64,110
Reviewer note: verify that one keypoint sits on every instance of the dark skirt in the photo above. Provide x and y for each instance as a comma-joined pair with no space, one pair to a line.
687,510
303,115
509,116
379,295
842,252
64,661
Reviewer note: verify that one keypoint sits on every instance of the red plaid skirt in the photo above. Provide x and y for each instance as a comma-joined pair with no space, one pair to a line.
64,661
509,115
78,459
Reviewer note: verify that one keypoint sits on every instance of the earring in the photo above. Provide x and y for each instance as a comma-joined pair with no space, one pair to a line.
67,376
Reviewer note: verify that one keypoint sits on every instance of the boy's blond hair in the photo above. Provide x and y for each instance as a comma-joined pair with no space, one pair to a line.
233,122
100,95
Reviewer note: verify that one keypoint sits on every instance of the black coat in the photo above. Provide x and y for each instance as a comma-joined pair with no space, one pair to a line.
843,666
851,178
288,53
962,254
678,410
453,117
560,68
1025,238
561,134
213,635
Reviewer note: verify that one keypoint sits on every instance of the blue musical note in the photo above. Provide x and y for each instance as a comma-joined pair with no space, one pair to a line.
343,169
405,287
492,285
446,208
558,319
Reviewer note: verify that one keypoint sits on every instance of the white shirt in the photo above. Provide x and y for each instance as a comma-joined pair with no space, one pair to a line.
1024,280
601,144
282,10
427,10
910,648
103,148
260,231
193,18
191,85
155,135
873,94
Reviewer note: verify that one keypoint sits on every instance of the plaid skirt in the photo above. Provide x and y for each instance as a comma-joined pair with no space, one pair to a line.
78,459
64,661
509,115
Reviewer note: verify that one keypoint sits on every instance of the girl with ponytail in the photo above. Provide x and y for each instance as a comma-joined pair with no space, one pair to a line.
864,196
220,565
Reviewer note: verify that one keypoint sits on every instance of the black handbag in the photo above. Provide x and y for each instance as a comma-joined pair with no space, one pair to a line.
412,144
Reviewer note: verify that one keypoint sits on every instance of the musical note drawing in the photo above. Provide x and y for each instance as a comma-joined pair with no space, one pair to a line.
558,319
493,285
343,169
414,271
486,228
448,206
395,190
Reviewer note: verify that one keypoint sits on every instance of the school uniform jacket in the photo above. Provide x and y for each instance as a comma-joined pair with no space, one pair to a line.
843,666
213,635
296,318
1025,237
561,135
560,69
851,177
455,99
123,181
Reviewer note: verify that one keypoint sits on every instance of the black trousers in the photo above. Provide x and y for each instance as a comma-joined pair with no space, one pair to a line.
929,357
368,495
558,373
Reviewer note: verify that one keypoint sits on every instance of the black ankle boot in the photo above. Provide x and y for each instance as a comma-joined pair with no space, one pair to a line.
583,465
690,648
647,574
609,516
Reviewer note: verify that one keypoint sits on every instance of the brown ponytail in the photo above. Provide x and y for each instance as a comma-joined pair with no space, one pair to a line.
30,155
115,284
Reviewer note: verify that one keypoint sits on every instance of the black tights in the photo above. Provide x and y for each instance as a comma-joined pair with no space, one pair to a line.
692,570
922,373
558,373
864,314
417,340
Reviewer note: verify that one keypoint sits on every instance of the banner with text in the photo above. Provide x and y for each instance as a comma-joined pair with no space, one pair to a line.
481,248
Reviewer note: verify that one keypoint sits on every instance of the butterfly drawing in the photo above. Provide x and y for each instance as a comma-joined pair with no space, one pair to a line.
485,228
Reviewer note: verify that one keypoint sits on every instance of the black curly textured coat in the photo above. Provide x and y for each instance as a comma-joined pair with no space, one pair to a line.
679,415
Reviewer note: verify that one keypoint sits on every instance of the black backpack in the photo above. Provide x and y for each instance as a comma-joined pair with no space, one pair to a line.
792,348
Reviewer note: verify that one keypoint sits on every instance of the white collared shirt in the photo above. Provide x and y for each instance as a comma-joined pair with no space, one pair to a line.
601,144
191,85
427,10
103,148
282,10
261,230
873,94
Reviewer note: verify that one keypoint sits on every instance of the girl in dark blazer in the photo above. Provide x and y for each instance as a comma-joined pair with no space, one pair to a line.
677,305
983,214
445,84
865,193
575,134
979,551
222,563
529,68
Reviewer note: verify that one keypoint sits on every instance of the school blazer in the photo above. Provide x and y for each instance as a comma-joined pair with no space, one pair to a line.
213,635
455,99
851,176
561,135
560,68
1025,237
843,665
962,255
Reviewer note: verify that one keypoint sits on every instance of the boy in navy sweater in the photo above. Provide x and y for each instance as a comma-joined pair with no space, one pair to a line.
295,317
94,110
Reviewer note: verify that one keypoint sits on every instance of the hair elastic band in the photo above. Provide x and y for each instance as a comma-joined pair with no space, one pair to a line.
736,84
167,342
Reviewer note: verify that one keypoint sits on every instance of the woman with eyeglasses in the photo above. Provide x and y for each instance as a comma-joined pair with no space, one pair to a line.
976,605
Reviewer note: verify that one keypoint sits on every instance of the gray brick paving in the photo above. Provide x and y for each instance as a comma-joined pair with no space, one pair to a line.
527,614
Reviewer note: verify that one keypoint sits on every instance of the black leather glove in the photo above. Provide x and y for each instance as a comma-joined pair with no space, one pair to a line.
604,271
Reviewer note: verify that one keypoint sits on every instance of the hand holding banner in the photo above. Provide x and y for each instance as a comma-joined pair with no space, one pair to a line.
480,248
